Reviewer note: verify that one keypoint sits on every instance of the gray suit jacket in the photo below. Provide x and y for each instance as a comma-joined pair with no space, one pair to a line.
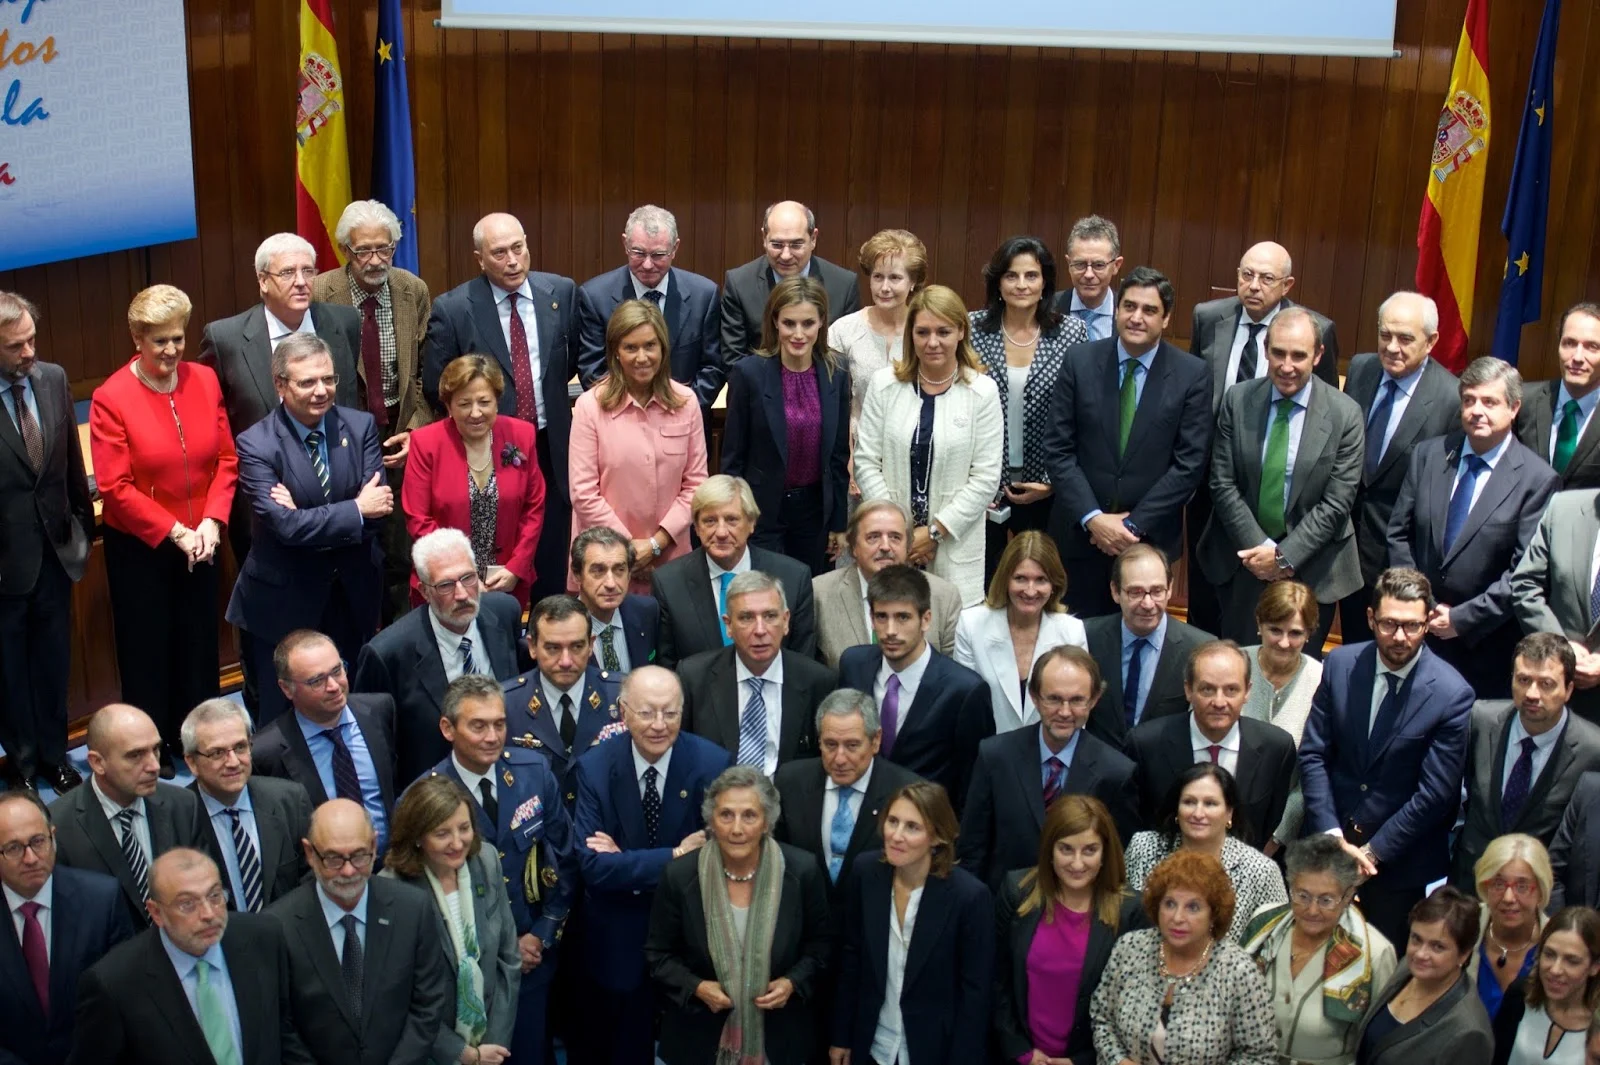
1327,469
240,351
1433,410
744,298
49,510
841,624
1575,753
1537,420
1550,586
283,819
1216,322
410,304
1452,1031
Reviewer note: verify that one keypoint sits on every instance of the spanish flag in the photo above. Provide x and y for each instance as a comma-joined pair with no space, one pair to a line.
1447,235
322,159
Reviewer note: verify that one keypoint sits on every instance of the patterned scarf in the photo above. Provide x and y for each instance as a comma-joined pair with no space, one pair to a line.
741,968
1346,971
472,1019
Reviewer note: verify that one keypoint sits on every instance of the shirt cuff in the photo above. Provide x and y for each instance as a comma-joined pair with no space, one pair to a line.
1087,518
1335,831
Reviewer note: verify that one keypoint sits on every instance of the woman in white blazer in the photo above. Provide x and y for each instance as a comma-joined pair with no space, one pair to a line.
1021,620
930,439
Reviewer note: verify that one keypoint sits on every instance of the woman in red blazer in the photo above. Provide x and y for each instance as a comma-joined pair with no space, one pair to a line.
165,465
477,471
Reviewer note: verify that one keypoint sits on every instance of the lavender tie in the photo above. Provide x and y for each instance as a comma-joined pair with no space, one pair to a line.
889,713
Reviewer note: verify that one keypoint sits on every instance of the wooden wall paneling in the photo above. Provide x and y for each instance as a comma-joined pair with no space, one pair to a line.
743,104
1017,120
827,135
619,130
706,226
941,156
1162,134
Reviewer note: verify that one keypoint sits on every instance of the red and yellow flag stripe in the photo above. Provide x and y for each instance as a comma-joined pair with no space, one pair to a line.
322,155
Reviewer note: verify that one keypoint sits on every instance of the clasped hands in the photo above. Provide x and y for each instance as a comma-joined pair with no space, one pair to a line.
198,544
774,998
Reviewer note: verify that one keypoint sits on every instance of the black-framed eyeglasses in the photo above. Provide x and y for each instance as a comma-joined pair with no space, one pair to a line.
333,863
1389,626
40,845
468,582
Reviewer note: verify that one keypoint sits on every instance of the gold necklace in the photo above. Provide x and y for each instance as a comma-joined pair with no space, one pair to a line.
151,385
1173,979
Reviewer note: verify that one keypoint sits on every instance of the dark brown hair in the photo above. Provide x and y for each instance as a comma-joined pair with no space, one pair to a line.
1068,816
933,804
426,805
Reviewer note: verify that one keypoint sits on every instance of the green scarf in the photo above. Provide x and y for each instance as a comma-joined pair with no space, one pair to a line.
1346,971
741,968
472,1019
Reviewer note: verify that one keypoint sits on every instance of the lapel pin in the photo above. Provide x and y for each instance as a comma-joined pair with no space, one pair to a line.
383,921
533,706
683,794
594,699
554,306
507,777
614,714
344,441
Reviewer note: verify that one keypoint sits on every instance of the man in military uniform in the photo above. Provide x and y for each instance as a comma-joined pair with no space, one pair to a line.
521,814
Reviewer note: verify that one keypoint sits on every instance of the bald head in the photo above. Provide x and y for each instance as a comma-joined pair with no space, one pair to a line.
124,752
341,849
501,248
174,867
339,819
187,900
652,705
790,232
1265,277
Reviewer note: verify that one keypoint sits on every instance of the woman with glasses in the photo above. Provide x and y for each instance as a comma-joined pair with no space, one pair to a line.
477,471
1514,881
436,846
1545,1018
166,469
1283,678
1322,960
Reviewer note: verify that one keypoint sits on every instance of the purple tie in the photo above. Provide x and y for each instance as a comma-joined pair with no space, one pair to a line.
34,953
889,713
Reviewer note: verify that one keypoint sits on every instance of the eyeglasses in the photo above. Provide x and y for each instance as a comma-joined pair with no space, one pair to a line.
1325,903
1082,266
382,251
333,863
1389,626
514,251
240,751
1522,887
650,717
293,274
39,845
790,245
321,679
189,905
308,384
468,581
1248,276
1138,595
1056,702
640,255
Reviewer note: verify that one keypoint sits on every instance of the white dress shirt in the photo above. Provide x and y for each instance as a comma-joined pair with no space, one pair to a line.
889,1041
910,679
619,640
716,571
46,900
830,802
552,699
335,914
277,331
1492,457
222,827
1241,333
771,695
639,288
450,649
1227,758
530,326
474,781
662,764
141,820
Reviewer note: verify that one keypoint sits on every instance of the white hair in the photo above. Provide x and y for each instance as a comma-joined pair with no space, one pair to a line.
282,244
1430,310
363,213
435,545
210,712
652,220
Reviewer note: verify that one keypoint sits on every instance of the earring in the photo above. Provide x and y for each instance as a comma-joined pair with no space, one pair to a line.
1229,825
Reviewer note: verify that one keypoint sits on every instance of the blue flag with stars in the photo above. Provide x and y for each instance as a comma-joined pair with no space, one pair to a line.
1528,203
394,177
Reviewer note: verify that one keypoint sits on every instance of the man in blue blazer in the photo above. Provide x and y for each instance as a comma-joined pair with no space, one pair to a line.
1469,506
934,711
1120,484
477,318
626,627
313,472
79,914
1384,750
639,797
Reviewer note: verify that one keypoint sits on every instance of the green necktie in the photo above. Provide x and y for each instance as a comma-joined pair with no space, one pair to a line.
1128,403
1566,436
214,1023
1274,472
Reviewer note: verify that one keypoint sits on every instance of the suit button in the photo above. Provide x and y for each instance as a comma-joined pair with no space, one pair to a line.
1363,787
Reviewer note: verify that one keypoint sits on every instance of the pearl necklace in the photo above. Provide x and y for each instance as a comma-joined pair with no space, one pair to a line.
151,385
751,875
1014,342
925,382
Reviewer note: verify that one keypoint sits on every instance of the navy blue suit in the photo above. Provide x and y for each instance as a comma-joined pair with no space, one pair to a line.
693,326
640,618
319,566
1474,576
944,724
1404,811
88,918
689,612
527,727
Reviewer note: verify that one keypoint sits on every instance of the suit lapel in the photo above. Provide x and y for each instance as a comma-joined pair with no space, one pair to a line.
49,414
933,913
169,1002
258,355
1410,424
703,598
772,406
300,759
552,369
802,812
1313,440
377,750
481,296
671,307
864,836
344,470
1497,768
1029,779
273,829
921,708
545,728
847,599
791,721
674,793
14,968
375,955
250,991
98,830
997,637
1557,767
318,939
625,797
724,708
1155,391
1255,411
1505,476
1362,679
300,477
499,640
430,674
1218,349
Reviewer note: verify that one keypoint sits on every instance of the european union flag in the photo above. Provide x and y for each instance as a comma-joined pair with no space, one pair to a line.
1528,204
394,175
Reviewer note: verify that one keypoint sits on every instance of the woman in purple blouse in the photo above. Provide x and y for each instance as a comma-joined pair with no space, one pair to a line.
1054,928
788,430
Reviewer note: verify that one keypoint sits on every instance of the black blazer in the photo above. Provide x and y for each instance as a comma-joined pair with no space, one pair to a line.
640,618
408,992
949,974
744,299
1167,450
1166,697
803,784
679,957
403,663
466,321
1433,410
1004,812
1216,323
711,700
1453,1030
755,444
280,750
1537,421
1266,773
1575,850
694,321
1013,937
89,919
132,1009
239,349
283,819
682,587
49,510
86,840
1038,391
944,724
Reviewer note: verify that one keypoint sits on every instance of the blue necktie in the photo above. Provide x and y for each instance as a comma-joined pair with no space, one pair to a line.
346,781
753,727
1056,781
840,830
1378,424
1130,688
1517,786
1388,711
1461,501
722,606
314,452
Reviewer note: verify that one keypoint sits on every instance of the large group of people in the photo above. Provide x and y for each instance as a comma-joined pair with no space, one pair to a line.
860,733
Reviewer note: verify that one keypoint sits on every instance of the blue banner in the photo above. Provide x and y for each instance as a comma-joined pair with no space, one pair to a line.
394,175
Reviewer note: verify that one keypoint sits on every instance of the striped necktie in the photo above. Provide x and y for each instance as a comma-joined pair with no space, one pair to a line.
753,726
314,450
133,853
249,863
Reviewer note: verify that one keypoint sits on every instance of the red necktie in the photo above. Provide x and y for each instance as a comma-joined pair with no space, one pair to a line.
521,371
1216,750
34,953
372,362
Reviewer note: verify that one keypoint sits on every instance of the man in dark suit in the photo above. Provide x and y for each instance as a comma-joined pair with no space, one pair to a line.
219,982
256,822
639,799
1404,397
755,699
61,921
1392,704
528,320
1021,772
1557,421
626,627
1575,850
1260,755
692,590
933,709
313,473
334,744
1470,503
789,241
1093,261
126,818
46,519
1129,432
370,984
1525,756
1285,467
1552,588
416,658
1143,651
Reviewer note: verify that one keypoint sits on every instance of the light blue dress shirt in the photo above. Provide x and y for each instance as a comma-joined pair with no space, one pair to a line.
1297,424
1406,387
1586,407
219,979
366,770
1492,456
335,914
1145,361
1543,746
1101,320
1147,662
11,402
301,431
222,825
1064,757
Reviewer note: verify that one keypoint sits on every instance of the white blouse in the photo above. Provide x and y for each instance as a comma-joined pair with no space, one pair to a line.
889,1041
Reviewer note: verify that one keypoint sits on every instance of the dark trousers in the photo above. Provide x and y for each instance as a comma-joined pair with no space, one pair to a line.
1388,907
996,535
337,623
619,1027
396,555
1486,665
1239,598
1204,604
797,529
1089,585
530,1037
35,655
551,558
165,618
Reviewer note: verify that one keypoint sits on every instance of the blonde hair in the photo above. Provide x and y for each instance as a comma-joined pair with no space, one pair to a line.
1515,846
944,303
612,389
721,489
1029,546
157,305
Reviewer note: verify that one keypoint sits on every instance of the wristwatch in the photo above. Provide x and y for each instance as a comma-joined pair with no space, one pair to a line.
1127,523
936,532
655,548
1283,563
